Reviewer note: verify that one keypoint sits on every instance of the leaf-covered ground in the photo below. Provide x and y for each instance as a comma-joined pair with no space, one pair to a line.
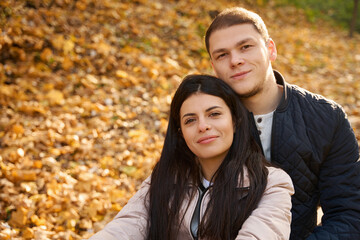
85,88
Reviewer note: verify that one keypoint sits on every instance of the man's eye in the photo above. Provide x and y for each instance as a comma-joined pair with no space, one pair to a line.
246,47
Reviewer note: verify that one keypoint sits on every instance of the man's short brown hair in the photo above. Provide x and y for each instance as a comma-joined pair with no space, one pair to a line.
234,16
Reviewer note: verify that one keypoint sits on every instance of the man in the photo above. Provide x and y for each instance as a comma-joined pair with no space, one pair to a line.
303,133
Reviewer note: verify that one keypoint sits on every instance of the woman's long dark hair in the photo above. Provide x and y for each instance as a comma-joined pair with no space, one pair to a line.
226,211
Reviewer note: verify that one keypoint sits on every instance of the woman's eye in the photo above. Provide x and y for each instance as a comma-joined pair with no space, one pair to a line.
221,56
190,120
215,114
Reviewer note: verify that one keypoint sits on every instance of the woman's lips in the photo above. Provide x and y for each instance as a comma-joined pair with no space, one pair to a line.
206,139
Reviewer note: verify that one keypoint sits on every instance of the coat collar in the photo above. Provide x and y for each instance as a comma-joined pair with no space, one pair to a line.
246,183
284,99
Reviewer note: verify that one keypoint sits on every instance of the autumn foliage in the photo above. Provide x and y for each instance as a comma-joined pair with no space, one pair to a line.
85,88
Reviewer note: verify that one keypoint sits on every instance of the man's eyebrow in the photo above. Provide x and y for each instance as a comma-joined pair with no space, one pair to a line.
207,110
241,42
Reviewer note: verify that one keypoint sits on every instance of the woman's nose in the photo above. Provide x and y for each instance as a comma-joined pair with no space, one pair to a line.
203,126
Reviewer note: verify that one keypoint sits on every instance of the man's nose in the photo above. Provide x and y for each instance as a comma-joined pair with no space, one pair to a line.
236,59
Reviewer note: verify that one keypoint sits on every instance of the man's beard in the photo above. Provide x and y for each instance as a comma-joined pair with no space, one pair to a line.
252,93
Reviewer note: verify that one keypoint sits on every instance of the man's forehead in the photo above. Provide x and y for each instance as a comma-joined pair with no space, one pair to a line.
244,28
228,36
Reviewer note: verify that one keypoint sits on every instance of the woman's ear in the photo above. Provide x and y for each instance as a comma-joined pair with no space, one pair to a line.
235,121
180,132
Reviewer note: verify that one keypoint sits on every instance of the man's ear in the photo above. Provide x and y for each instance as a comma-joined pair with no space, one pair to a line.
212,65
272,49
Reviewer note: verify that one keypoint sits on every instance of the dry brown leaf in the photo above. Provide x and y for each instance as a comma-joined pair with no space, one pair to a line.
46,55
55,97
19,217
84,98
28,233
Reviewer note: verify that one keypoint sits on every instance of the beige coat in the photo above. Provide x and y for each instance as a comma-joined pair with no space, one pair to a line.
270,220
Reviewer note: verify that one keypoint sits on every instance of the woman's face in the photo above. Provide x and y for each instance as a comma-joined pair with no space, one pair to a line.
207,127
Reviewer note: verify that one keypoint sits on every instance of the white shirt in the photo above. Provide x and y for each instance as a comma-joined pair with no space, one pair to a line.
205,183
264,126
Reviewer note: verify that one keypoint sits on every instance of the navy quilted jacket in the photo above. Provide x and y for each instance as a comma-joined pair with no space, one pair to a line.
314,143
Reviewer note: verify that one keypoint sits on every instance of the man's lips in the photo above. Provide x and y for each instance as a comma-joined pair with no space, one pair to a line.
240,74
207,139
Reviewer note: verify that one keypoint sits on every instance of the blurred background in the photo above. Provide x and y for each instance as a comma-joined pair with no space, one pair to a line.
85,87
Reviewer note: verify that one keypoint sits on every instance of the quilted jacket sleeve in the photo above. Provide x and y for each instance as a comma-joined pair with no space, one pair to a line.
339,185
271,219
130,222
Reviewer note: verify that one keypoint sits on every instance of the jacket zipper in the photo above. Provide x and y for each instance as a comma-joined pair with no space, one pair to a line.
195,220
272,138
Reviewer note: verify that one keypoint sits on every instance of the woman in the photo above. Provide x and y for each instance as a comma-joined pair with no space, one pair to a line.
212,181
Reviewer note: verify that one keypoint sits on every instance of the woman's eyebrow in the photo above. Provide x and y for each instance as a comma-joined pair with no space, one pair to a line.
211,108
207,110
188,114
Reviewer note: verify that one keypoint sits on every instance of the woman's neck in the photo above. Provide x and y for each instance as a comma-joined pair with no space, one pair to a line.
209,167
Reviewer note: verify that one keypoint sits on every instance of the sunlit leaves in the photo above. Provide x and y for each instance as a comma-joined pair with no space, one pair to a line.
85,89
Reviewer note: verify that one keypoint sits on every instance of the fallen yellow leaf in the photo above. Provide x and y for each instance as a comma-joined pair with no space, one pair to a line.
55,97
28,233
18,129
19,217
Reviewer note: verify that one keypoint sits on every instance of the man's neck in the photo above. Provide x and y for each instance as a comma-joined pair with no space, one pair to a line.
267,100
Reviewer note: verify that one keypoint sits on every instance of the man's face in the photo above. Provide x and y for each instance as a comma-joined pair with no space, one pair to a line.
242,58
